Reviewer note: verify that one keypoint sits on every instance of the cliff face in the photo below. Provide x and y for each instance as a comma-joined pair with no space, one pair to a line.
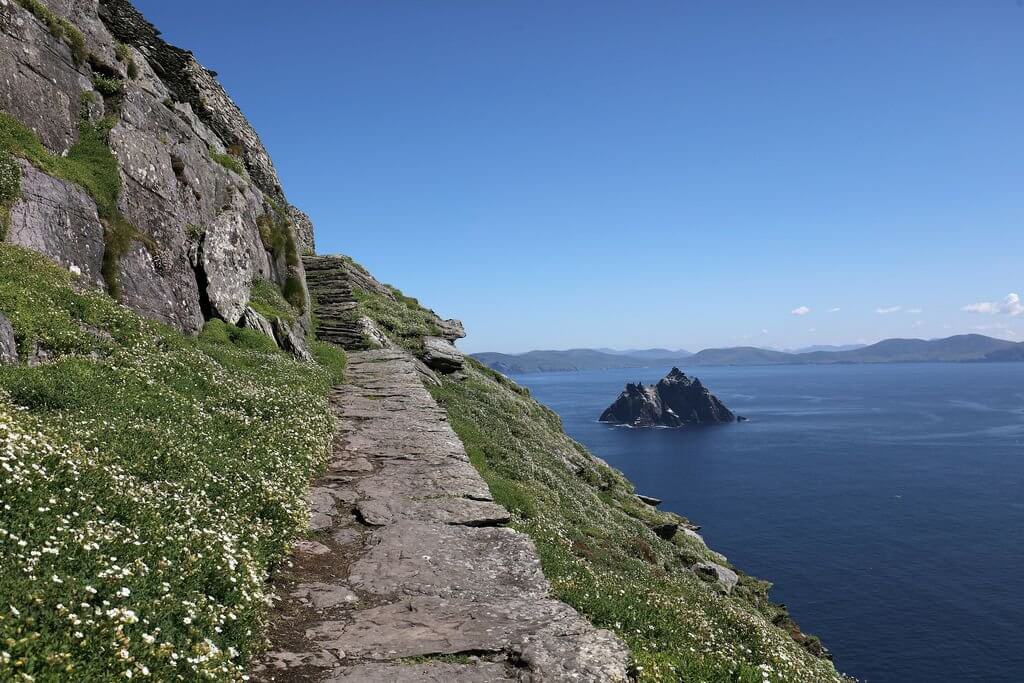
134,167
676,400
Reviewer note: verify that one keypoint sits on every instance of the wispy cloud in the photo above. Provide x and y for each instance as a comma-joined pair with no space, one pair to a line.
834,310
800,310
885,310
1010,305
915,311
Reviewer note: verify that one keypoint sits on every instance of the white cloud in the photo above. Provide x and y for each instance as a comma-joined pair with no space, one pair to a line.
888,309
764,331
834,310
800,310
1011,305
915,311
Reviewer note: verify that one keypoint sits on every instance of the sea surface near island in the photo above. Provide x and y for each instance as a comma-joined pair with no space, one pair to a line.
885,502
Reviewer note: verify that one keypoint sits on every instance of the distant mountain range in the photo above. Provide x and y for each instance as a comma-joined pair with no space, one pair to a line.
960,348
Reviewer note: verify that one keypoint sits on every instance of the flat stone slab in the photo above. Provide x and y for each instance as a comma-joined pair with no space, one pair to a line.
417,558
428,672
464,511
325,595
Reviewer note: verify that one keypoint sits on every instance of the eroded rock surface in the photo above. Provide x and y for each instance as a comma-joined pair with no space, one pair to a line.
417,563
171,128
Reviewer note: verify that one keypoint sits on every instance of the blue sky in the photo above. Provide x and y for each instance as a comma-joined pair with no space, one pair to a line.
681,174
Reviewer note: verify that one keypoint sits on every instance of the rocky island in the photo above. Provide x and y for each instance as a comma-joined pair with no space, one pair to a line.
676,400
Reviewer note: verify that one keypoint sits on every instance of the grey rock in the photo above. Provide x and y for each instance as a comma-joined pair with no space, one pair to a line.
427,672
653,502
58,219
41,83
228,265
8,344
303,230
325,595
284,660
452,329
441,355
309,548
711,571
290,339
255,321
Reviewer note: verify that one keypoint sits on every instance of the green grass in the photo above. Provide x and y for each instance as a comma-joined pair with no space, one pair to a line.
278,237
107,86
149,481
91,165
597,550
10,190
229,162
60,28
402,318
267,299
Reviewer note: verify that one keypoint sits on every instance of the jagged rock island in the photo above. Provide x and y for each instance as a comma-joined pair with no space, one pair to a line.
225,457
674,401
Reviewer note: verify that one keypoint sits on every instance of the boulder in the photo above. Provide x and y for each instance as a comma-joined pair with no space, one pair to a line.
8,345
674,401
441,355
653,502
254,321
227,265
710,571
666,531
288,340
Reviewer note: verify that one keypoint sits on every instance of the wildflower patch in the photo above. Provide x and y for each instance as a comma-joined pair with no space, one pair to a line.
148,481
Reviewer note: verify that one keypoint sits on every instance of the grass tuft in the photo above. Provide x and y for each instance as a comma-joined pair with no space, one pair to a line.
402,318
266,298
10,190
149,482
232,163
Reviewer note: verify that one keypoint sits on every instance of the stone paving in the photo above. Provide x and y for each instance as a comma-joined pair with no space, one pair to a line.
410,575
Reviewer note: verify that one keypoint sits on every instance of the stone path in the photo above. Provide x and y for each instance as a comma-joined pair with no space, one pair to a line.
411,576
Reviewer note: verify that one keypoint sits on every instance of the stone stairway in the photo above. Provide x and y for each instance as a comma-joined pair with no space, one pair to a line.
328,280
410,574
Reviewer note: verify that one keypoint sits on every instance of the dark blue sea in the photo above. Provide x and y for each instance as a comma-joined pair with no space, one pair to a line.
885,502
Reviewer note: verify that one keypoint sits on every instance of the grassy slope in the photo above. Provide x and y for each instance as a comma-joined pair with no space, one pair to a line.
600,555
148,480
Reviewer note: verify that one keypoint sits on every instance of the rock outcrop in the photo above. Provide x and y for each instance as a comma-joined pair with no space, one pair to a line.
189,208
676,400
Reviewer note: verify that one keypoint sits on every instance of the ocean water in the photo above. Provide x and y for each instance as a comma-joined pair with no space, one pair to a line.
885,502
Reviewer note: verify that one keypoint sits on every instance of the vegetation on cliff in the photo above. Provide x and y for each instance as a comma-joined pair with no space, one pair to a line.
601,556
148,480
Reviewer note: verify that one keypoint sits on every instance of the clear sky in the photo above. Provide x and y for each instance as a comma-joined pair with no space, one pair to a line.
681,174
